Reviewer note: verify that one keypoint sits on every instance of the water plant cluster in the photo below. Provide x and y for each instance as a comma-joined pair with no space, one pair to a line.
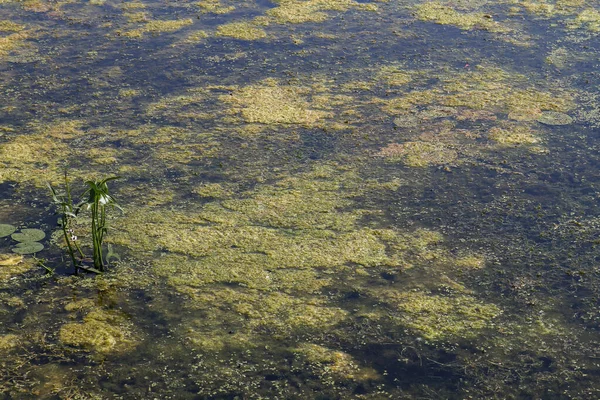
98,202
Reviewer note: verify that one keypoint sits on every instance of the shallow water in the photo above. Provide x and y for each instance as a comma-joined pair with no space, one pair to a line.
323,199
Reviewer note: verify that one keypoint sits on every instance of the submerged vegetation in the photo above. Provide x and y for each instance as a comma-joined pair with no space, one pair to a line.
335,198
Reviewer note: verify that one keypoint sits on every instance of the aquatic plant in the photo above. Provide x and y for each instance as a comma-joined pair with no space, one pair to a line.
6,230
97,202
67,213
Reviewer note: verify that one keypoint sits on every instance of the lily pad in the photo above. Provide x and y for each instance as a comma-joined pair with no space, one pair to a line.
6,229
28,248
29,235
554,118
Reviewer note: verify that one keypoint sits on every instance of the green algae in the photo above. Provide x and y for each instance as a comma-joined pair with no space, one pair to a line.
419,154
588,19
13,42
438,317
196,37
269,102
278,312
333,365
394,75
8,341
251,232
242,30
297,12
445,15
213,6
215,190
101,331
155,26
18,265
486,93
513,135
554,118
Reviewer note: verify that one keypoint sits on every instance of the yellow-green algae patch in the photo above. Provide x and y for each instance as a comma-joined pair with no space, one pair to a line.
157,26
13,265
438,317
394,75
242,30
36,157
10,26
196,37
216,190
297,12
8,341
102,331
446,15
269,102
331,364
278,312
513,135
588,19
213,6
485,93
419,153
488,88
12,42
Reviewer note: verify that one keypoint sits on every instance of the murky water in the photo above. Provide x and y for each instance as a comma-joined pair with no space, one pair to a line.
323,199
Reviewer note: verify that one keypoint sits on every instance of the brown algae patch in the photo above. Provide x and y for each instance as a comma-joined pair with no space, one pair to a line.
101,331
269,102
242,30
445,15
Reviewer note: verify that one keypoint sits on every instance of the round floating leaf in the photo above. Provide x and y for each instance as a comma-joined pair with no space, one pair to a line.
554,118
6,229
28,247
29,235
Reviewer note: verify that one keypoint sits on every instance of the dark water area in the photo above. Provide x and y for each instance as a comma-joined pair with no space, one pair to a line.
322,199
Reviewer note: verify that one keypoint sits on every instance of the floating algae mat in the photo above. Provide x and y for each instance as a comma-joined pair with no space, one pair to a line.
330,199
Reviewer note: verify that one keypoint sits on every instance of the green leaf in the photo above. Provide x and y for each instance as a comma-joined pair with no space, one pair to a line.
6,230
29,235
28,248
